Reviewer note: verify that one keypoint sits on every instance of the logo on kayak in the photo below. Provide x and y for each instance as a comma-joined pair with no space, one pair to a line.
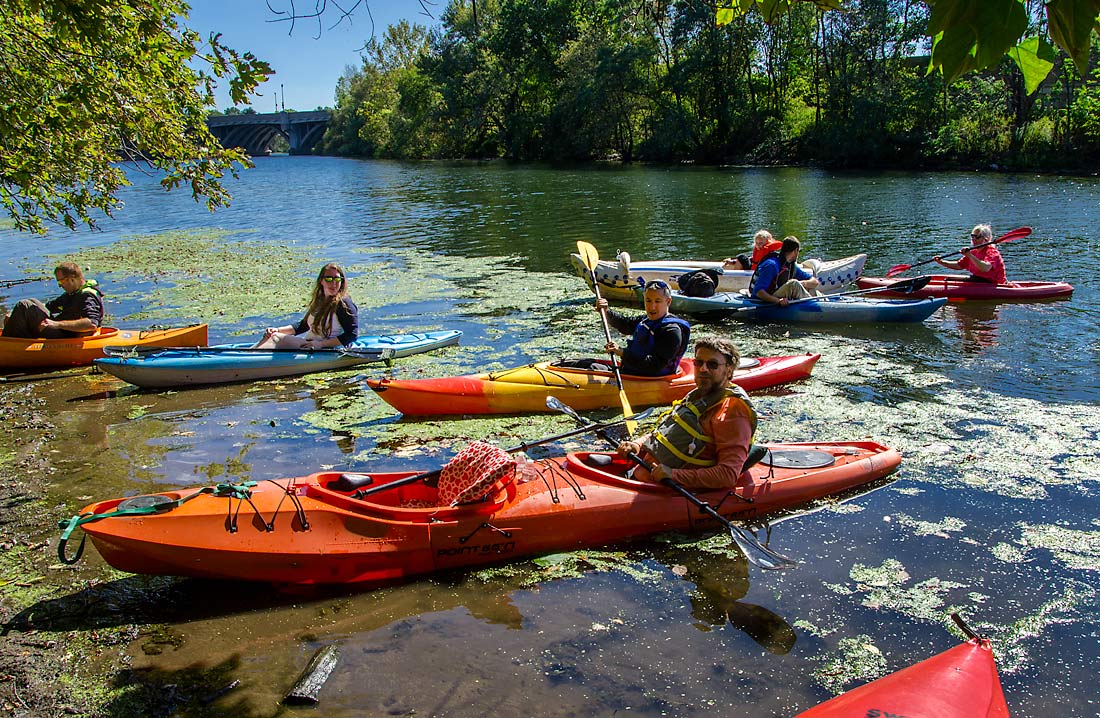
876,713
480,550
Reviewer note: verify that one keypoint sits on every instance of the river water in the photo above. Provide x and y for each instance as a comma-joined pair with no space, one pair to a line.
994,407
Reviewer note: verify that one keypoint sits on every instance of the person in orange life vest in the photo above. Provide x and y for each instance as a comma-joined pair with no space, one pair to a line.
780,278
331,320
77,312
711,454
763,244
985,264
658,339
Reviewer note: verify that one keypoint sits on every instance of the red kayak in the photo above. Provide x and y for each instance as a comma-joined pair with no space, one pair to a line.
956,287
524,389
959,683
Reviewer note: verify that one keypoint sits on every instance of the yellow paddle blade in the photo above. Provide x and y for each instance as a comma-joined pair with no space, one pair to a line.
589,254
631,425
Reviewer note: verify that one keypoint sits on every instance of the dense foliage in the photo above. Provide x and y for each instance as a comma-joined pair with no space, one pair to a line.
84,83
661,81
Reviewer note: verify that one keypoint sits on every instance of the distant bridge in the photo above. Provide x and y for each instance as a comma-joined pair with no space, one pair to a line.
256,132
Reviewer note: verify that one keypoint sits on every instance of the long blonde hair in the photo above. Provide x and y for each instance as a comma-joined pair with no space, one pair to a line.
322,308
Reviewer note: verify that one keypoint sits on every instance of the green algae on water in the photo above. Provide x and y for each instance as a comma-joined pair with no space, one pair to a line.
928,528
884,588
856,658
1077,549
527,574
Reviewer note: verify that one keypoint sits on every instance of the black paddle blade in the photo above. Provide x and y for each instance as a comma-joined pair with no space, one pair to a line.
757,553
908,286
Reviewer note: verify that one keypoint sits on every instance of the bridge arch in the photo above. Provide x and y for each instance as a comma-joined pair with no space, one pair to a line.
256,132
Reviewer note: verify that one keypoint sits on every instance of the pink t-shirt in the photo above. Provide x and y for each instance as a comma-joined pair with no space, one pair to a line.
991,254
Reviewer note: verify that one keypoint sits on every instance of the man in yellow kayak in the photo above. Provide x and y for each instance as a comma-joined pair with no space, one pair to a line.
658,339
77,312
703,440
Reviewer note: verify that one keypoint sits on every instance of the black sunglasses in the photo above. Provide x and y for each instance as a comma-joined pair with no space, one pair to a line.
712,364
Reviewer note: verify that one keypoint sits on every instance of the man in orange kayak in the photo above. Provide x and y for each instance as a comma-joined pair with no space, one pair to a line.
703,440
658,339
985,264
77,312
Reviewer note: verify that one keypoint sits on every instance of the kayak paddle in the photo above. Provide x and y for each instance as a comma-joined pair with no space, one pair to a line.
757,553
5,283
519,447
1018,233
902,286
591,256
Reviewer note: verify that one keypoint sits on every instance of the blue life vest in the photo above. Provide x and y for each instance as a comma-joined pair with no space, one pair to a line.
785,274
643,342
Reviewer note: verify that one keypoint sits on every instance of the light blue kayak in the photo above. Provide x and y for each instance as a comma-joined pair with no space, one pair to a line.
163,367
829,309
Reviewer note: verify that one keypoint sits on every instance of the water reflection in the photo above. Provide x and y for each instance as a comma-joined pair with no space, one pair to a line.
720,582
979,323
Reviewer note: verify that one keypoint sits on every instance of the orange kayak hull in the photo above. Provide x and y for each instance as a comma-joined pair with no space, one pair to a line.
961,682
79,351
525,389
307,531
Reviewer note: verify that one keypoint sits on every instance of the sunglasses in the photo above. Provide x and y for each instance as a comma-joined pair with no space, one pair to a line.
974,235
660,286
330,280
712,364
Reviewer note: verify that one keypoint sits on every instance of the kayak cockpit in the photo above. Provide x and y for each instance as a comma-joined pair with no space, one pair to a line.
412,501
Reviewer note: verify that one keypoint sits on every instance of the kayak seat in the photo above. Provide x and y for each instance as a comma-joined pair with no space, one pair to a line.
474,473
756,454
350,482
599,461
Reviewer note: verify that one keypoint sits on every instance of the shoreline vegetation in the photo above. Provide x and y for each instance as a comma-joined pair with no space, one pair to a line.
665,86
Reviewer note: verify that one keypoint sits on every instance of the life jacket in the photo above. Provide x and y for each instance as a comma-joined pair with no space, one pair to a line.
679,439
91,286
786,272
643,342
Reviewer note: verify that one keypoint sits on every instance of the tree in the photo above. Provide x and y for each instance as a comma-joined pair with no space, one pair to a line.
84,84
972,35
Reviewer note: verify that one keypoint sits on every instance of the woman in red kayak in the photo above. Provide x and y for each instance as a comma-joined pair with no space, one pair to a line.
985,264
331,320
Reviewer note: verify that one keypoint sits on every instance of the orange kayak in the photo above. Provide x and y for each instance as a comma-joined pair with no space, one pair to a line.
524,389
312,530
961,682
78,351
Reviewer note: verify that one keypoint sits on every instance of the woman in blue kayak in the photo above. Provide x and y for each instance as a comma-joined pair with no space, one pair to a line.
331,320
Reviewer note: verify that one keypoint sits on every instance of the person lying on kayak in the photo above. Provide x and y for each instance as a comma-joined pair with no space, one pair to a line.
779,277
763,244
703,440
331,320
77,312
658,339
985,264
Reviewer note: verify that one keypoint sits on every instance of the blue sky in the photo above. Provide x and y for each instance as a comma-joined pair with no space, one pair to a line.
309,61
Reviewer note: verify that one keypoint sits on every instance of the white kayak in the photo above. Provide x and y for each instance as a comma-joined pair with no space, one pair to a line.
619,279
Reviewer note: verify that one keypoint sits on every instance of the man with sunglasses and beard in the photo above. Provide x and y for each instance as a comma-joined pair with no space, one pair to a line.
703,440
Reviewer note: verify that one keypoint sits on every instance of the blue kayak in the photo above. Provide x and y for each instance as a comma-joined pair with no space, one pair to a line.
828,309
162,367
